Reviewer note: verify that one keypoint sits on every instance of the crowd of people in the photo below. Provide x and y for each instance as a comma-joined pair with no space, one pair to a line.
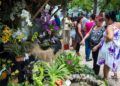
101,35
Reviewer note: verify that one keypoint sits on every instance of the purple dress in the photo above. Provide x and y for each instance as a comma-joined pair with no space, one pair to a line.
109,53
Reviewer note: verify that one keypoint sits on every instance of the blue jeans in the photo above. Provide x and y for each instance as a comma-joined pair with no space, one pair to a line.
87,48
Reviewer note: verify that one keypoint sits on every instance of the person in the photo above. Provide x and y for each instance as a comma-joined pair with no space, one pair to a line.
88,26
109,54
83,22
57,20
66,31
78,36
95,35
73,32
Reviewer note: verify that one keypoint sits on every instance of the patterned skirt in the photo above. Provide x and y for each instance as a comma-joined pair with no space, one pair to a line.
109,54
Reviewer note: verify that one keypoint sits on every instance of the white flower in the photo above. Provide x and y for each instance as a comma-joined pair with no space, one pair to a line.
24,14
67,82
12,17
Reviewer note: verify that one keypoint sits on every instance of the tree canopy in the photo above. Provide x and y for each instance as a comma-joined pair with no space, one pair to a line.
88,5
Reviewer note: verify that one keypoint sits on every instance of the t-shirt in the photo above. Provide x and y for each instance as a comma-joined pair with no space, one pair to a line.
95,36
84,21
88,26
57,20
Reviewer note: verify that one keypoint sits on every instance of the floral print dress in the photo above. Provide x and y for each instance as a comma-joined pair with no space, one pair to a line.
109,53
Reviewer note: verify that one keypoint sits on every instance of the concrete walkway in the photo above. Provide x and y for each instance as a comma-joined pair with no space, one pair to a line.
110,80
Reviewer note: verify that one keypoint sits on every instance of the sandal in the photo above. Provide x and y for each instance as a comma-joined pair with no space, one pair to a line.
115,77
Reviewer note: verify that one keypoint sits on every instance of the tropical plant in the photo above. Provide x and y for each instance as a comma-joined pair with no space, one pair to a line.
44,73
71,61
57,72
39,73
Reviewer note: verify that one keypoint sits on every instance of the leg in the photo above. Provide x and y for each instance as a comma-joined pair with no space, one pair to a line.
106,71
77,49
96,67
87,49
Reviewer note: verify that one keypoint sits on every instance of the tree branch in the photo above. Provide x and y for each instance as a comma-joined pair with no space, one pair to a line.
40,9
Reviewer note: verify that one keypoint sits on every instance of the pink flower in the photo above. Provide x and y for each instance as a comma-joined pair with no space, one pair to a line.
48,31
69,62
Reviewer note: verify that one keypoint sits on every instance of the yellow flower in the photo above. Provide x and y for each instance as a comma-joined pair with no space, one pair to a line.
7,33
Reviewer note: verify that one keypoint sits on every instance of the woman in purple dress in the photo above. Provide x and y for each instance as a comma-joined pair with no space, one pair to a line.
109,53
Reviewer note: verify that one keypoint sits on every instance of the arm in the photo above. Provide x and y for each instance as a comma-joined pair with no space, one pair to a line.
86,36
79,31
110,34
85,27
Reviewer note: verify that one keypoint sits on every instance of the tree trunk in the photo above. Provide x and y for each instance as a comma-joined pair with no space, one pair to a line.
95,6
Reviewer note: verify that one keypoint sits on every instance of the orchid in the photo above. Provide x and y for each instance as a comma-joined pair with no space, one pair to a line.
26,15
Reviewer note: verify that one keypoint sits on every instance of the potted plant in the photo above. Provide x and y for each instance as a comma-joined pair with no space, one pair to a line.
57,74
18,50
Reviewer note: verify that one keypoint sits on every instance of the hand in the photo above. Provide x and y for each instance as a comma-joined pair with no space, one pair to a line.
82,42
95,48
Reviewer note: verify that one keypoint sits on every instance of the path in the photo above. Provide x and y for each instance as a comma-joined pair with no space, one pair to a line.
111,81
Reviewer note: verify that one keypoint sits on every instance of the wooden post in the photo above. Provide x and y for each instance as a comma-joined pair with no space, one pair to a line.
39,10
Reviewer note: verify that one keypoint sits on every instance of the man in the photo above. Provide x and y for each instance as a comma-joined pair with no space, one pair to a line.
84,21
57,20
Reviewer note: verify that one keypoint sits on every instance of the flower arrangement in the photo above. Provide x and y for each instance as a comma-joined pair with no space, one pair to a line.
52,27
16,10
6,34
26,15
19,36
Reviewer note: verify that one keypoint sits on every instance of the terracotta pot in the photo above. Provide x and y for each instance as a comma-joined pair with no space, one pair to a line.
3,75
59,83
66,46
19,58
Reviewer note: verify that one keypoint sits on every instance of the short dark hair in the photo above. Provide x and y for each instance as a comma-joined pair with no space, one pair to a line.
93,16
111,15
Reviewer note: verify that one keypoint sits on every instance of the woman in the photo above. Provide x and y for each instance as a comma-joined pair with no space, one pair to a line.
109,54
88,26
78,36
95,35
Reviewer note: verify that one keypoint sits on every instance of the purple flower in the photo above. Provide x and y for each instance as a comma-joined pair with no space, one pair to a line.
101,61
50,22
46,26
53,22
56,28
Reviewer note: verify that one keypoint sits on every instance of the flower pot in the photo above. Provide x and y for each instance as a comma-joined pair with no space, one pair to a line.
19,58
3,75
66,46
59,83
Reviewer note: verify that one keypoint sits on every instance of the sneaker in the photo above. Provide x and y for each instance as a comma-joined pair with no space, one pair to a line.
88,59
